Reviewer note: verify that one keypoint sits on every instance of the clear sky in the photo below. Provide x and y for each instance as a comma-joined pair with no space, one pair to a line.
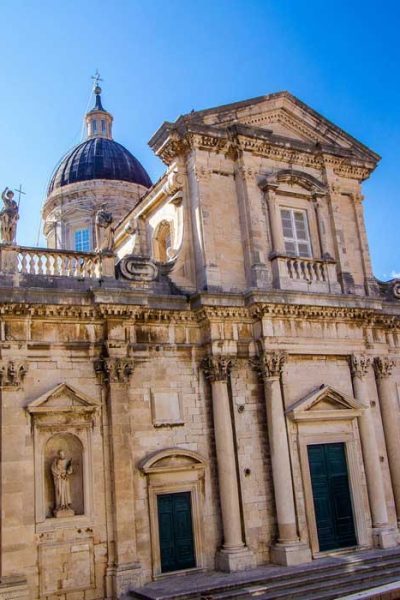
161,58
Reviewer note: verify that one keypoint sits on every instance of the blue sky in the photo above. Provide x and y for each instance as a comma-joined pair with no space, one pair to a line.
161,58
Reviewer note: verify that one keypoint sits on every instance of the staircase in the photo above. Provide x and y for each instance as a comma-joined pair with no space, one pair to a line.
329,578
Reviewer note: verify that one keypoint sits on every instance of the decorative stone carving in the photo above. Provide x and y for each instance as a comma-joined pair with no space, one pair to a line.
114,370
359,365
104,230
217,368
396,288
137,268
61,469
9,216
269,364
12,373
383,366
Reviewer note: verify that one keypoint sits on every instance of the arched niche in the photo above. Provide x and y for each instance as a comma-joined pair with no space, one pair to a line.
163,241
73,450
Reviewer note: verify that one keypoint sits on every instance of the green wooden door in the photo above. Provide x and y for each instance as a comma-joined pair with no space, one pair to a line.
332,501
176,531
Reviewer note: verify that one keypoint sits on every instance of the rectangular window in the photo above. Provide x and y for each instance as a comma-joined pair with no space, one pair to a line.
103,126
94,126
295,232
82,240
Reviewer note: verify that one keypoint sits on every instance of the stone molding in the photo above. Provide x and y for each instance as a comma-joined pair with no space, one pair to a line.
12,373
254,140
361,316
114,370
359,365
269,365
217,368
383,366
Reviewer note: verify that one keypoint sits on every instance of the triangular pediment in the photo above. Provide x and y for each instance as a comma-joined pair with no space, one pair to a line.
283,115
325,400
63,398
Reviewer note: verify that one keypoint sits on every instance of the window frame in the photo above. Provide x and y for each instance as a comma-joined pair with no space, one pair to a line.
295,240
81,230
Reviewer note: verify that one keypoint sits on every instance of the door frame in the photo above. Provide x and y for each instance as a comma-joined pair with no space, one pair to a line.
170,472
355,484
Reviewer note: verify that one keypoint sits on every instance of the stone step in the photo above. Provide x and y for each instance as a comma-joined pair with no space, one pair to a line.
349,591
368,566
326,575
298,590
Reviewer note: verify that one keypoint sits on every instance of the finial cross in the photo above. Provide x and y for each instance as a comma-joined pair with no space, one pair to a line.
96,78
20,192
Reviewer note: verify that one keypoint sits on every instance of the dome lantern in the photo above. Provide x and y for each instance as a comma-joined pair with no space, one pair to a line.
98,120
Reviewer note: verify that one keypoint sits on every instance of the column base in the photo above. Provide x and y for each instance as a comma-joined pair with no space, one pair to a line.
124,577
290,554
384,537
241,559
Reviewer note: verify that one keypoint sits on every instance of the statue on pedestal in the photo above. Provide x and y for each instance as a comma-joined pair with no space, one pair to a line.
104,230
61,469
9,216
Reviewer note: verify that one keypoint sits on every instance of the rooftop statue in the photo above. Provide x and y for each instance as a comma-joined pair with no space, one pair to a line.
9,216
104,230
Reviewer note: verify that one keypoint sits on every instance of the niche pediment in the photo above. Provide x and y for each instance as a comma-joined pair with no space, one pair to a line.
62,399
325,403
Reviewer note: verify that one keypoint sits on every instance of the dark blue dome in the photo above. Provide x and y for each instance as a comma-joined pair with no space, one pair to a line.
98,158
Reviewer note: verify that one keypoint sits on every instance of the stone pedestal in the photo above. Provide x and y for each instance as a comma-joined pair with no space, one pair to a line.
234,555
288,550
382,535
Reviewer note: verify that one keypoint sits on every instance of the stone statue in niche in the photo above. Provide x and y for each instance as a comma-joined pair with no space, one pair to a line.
104,230
61,469
9,216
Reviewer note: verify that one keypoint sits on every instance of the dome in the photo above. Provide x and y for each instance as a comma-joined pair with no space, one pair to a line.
98,158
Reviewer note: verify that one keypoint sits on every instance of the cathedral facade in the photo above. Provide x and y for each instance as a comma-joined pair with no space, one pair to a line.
201,373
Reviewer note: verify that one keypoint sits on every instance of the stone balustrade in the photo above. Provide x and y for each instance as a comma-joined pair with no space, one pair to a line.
52,263
305,274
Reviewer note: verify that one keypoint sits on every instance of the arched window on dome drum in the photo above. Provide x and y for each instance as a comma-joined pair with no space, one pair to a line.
162,241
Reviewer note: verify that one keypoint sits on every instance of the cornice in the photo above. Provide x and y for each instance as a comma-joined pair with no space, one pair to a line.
201,314
184,136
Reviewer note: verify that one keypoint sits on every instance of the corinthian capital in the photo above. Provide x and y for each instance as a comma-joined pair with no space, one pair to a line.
359,365
383,366
269,364
217,368
114,370
12,373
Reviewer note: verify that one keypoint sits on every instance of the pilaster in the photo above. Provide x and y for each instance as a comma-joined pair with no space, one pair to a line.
383,367
234,555
382,535
288,550
14,485
114,372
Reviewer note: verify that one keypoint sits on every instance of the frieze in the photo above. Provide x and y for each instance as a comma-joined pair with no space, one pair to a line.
363,316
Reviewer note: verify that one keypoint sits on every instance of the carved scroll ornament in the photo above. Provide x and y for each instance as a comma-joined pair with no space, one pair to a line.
137,268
